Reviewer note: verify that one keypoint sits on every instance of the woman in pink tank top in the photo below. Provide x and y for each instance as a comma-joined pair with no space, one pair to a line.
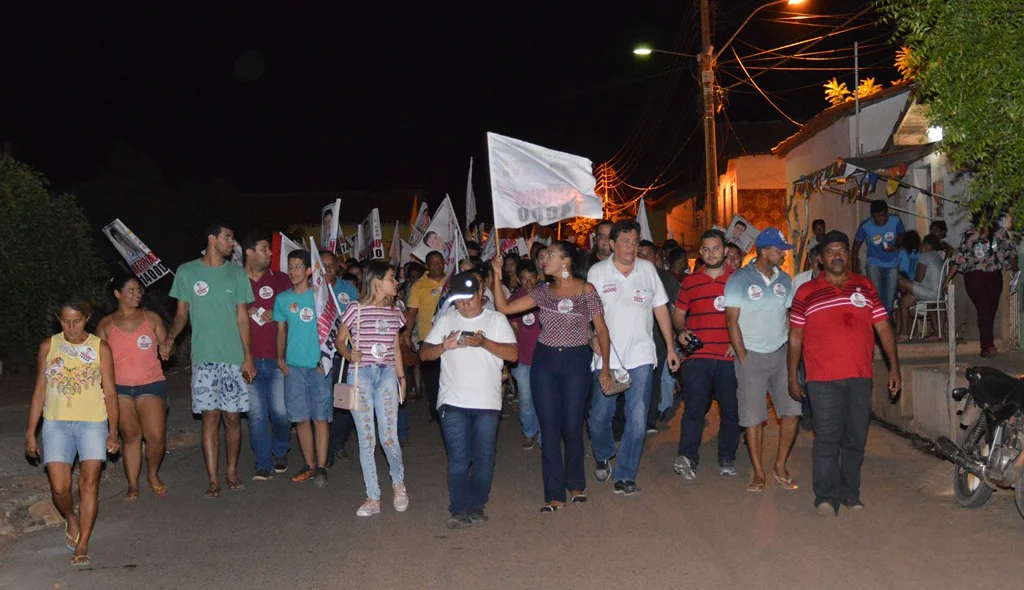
135,336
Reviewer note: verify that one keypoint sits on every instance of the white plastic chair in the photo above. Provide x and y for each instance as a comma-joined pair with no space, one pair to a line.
938,305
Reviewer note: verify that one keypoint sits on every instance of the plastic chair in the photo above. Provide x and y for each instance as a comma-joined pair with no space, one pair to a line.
938,305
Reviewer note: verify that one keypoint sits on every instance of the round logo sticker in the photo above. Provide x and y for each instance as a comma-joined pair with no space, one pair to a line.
306,314
144,342
779,289
858,299
201,288
876,239
294,307
377,351
266,292
529,319
565,306
755,292
380,326
640,295
979,250
434,292
87,354
343,298
720,303
889,236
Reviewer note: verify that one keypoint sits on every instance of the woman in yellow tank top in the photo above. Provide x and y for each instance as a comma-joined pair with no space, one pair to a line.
75,396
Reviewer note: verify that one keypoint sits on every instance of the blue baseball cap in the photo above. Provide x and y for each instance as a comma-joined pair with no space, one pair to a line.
772,237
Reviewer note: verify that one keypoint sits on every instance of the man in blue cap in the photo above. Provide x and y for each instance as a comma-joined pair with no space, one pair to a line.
756,300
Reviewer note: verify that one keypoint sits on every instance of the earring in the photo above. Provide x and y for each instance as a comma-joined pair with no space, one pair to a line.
565,273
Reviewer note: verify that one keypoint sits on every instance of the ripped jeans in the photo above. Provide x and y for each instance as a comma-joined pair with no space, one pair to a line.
378,392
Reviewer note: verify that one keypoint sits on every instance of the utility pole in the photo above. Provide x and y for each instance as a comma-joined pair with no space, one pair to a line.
706,61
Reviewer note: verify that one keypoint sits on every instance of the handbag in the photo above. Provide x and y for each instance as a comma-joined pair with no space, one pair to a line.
621,381
346,396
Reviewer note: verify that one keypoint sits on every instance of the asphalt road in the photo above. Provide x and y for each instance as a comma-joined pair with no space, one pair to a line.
710,534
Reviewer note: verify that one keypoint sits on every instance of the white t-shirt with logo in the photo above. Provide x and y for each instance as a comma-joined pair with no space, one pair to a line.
471,376
629,303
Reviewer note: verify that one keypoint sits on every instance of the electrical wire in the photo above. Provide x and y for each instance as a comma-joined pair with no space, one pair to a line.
758,88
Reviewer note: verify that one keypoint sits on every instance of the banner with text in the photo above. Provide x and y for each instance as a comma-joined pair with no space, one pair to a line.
530,183
143,263
370,238
328,315
440,234
329,226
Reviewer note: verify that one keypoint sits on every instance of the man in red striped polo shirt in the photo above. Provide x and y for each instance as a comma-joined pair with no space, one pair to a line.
833,322
700,312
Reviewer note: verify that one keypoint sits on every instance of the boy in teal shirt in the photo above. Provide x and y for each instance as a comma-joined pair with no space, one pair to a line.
307,391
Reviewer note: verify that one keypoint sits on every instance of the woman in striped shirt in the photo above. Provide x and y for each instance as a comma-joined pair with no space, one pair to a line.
373,324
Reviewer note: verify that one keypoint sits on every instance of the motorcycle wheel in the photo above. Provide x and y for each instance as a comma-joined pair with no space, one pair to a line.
970,491
1018,495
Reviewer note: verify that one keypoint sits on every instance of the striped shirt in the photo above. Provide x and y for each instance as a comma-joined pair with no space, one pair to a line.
702,298
839,339
565,321
375,333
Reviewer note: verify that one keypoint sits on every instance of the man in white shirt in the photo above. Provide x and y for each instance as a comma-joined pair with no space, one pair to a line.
633,296
473,344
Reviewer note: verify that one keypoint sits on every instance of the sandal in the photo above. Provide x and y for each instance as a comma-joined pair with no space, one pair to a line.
212,492
785,483
69,541
80,560
577,497
131,496
235,484
551,506
755,486
160,491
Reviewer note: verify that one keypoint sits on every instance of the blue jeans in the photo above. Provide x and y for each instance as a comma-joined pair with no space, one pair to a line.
527,414
602,410
267,412
560,379
884,280
344,424
471,438
703,378
378,394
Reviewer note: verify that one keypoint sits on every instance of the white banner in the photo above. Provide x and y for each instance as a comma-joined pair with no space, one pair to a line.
419,227
641,218
742,233
490,248
281,247
146,266
343,248
516,245
370,238
441,234
470,197
530,183
395,252
329,226
328,316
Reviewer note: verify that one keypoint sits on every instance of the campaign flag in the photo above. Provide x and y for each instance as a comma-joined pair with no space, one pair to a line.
440,234
671,236
236,256
281,246
490,247
470,197
395,252
451,265
140,259
514,245
329,226
343,248
530,183
370,238
328,314
420,224
641,218
742,233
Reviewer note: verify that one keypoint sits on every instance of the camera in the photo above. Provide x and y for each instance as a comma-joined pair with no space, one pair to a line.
692,346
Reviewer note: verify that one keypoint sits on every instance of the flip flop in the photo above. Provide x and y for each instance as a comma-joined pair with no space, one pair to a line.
131,496
755,486
786,484
69,541
212,493
235,485
551,507
80,560
160,491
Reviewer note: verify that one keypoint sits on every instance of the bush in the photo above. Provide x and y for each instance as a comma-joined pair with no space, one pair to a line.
46,255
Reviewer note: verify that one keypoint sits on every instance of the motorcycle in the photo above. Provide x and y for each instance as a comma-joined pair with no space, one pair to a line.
992,453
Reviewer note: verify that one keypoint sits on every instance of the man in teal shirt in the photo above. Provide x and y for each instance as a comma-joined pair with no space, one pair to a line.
213,294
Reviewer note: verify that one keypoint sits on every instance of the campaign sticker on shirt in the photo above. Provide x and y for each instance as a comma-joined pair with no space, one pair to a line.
980,250
294,307
378,350
720,303
779,289
306,314
529,319
380,326
889,236
144,342
639,295
565,306
755,292
609,289
87,354
858,299
876,239
201,288
343,298
434,292
69,349
266,292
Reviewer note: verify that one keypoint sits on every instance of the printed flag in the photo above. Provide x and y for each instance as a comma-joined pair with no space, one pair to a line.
146,266
328,314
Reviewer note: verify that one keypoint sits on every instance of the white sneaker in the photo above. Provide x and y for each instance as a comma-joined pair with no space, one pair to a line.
369,508
401,498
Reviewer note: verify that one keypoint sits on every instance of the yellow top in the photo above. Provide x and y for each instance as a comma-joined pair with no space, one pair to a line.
424,295
74,388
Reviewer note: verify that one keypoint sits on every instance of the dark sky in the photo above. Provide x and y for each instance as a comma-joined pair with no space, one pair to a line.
338,97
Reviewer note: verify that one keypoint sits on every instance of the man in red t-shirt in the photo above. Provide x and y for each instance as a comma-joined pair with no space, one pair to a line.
266,392
833,322
700,313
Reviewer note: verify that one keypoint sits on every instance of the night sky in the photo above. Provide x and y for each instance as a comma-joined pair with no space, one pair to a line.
269,98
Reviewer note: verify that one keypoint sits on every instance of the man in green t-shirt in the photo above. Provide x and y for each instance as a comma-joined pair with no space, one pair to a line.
213,294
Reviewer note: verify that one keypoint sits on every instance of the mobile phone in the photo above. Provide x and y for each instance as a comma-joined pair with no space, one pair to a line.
466,334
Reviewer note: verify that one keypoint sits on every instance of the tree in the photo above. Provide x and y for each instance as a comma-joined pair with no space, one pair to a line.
836,92
970,70
46,254
867,88
906,63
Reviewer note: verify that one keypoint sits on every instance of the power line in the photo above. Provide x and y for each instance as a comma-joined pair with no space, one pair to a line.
758,88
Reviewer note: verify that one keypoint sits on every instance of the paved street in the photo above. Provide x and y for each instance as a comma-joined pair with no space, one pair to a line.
709,534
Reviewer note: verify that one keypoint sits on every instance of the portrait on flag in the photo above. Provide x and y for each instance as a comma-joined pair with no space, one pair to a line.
742,233
143,263
329,226
440,234
370,238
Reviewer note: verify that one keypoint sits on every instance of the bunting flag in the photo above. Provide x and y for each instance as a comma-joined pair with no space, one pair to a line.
641,218
328,314
470,198
395,252
146,266
530,183
281,246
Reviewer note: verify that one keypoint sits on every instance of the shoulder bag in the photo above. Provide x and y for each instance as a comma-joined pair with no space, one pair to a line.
346,396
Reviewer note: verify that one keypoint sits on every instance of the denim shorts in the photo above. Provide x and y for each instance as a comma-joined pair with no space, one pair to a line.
308,395
63,439
156,388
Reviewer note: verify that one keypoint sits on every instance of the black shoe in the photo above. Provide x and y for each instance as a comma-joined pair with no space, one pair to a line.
853,504
477,516
603,471
342,454
826,508
652,428
281,464
626,488
320,477
458,521
263,475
